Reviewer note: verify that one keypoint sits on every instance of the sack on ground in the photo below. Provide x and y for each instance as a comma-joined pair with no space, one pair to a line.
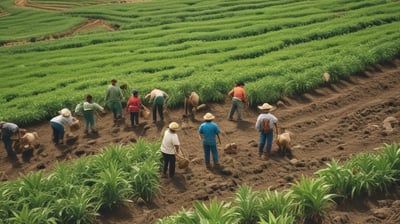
145,113
182,161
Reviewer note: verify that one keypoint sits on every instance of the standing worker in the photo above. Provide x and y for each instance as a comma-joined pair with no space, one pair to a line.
208,132
169,148
157,97
113,99
8,130
265,125
87,109
239,99
133,107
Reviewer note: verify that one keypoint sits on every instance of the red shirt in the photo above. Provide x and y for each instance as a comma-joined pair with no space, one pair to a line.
133,104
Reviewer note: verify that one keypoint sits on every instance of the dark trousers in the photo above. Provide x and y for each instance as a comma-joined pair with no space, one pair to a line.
134,118
169,162
58,132
8,144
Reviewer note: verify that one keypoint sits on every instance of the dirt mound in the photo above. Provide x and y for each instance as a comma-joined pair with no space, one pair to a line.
335,121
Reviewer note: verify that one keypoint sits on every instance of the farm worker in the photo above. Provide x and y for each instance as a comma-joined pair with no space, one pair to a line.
208,131
87,109
8,130
265,125
239,99
113,99
169,148
157,97
133,107
191,103
57,124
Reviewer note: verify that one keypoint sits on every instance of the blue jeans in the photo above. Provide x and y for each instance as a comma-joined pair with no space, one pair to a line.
58,132
213,149
266,138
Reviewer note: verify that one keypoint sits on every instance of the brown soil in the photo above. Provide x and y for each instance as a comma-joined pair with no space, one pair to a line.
335,121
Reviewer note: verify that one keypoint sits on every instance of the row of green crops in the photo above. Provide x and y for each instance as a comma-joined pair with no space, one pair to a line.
308,200
77,192
277,48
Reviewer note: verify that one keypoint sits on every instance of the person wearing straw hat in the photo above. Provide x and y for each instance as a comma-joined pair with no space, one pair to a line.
239,99
113,99
169,148
57,124
208,132
265,124
8,130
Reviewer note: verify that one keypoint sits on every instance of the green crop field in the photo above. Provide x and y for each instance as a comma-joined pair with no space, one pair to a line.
277,47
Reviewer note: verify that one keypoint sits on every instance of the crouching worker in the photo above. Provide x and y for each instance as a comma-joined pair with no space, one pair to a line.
191,103
57,124
87,109
7,131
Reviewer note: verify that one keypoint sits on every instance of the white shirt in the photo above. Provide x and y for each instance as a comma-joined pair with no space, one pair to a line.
169,141
62,120
156,93
269,116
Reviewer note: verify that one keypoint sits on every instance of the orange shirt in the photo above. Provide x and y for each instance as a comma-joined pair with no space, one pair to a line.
239,93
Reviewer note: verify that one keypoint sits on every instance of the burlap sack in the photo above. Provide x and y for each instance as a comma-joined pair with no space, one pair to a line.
75,125
181,160
145,113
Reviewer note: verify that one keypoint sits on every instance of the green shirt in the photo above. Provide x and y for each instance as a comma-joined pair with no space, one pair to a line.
113,94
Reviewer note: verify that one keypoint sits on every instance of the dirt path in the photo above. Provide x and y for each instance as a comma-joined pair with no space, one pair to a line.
335,121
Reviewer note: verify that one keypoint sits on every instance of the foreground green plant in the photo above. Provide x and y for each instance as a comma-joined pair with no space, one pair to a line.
214,213
364,173
32,216
282,219
313,198
278,204
247,205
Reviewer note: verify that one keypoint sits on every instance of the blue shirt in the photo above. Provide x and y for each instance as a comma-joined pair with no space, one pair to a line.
208,132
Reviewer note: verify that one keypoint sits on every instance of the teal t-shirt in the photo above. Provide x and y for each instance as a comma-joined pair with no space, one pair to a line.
209,131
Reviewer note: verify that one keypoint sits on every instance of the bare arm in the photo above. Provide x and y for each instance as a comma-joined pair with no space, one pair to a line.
176,148
219,139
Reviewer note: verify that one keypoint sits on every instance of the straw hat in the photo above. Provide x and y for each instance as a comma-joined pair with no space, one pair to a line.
266,106
65,112
173,126
208,117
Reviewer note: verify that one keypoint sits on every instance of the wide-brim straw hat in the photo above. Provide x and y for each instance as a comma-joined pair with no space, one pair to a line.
173,126
209,117
65,112
266,107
